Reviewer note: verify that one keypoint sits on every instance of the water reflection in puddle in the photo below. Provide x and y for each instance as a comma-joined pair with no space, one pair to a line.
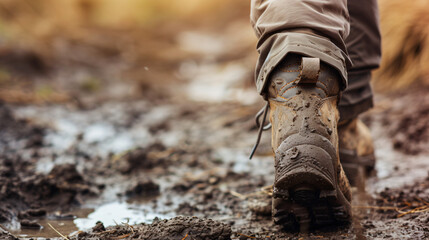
117,213
110,214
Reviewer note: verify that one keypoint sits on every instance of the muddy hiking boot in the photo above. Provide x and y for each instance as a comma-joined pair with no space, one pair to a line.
356,149
310,187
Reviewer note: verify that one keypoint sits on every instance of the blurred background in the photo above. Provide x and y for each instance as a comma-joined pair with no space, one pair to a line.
52,51
58,50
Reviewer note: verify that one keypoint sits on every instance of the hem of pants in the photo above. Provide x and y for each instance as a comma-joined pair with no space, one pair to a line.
279,45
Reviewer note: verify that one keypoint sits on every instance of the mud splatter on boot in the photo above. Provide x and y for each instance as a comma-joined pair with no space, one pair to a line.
310,187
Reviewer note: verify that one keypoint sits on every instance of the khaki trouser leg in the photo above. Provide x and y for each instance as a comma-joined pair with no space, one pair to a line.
321,29
308,27
364,48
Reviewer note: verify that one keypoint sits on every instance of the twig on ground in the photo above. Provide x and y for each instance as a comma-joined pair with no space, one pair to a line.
415,210
58,232
123,236
377,207
402,213
268,190
423,201
107,231
236,194
75,233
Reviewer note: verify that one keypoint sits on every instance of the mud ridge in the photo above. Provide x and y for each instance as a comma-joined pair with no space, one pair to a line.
172,229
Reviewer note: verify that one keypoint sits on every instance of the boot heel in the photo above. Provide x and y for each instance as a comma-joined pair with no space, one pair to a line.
304,165
307,195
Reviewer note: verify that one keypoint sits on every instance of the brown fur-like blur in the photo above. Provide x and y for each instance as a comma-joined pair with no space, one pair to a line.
405,36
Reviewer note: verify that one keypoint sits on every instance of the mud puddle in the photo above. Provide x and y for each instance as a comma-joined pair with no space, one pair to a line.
110,214
44,230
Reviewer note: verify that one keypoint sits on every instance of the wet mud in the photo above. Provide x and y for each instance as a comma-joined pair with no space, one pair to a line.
180,171
406,208
411,132
175,228
25,193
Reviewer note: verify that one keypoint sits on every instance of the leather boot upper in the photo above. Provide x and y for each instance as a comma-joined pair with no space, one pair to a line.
311,106
306,108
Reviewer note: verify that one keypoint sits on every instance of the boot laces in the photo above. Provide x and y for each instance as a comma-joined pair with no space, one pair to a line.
260,124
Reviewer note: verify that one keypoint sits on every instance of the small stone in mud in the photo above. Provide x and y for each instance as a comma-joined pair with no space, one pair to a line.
30,224
99,227
145,188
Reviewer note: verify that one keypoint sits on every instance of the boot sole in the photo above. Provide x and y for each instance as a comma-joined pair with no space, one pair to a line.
306,195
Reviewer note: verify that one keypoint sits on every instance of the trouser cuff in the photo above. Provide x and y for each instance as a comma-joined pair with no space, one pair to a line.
274,49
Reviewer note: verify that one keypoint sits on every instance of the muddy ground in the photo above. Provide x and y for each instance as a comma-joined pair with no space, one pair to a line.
189,159
101,142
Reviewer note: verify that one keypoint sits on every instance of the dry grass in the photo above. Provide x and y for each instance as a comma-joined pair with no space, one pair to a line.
44,15
405,34
36,24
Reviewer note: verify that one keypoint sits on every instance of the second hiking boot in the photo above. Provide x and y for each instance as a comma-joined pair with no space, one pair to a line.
310,187
356,149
